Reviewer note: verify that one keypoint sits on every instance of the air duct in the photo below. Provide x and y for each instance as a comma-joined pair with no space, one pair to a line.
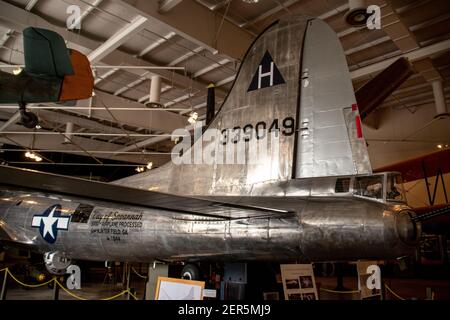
439,99
69,133
155,92
357,13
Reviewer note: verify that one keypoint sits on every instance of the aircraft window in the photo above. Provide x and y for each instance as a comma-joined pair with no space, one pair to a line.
394,188
371,187
342,185
82,213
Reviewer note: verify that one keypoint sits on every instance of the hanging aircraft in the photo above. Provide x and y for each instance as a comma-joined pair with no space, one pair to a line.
52,73
311,197
434,216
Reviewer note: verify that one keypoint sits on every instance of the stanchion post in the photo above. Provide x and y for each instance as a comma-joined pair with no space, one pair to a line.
55,290
128,280
4,286
385,291
340,277
145,286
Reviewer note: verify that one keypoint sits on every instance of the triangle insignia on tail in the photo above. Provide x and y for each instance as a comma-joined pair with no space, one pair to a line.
267,74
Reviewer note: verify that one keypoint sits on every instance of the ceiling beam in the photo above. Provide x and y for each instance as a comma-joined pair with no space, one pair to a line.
20,19
413,55
153,119
102,77
156,44
6,37
179,99
401,34
232,41
367,45
150,141
185,56
225,81
167,5
117,39
145,98
88,11
269,13
12,120
130,85
30,5
62,118
211,67
55,142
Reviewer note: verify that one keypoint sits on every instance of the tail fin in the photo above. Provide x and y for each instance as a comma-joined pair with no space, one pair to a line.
45,53
264,96
294,80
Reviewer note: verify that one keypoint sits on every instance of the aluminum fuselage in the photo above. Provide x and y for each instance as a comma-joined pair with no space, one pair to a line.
321,227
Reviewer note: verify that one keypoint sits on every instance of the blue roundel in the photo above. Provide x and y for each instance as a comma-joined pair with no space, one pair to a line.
49,222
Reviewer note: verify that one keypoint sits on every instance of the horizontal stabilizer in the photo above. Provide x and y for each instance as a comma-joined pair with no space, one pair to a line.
30,179
45,53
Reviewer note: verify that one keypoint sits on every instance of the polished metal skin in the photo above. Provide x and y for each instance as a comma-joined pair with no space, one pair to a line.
324,227
313,180
326,144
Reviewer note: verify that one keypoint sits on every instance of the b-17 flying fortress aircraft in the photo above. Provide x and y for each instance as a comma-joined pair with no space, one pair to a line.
311,197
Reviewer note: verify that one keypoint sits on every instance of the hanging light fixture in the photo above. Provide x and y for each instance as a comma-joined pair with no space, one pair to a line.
193,117
356,15
33,156
251,1
17,71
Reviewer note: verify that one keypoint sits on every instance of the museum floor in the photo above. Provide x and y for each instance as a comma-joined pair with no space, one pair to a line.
405,288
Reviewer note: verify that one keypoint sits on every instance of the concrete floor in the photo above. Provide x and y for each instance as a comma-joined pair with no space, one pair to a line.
406,288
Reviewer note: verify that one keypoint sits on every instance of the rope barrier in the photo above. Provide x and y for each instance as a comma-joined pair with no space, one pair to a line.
67,291
131,294
139,275
393,293
117,295
55,280
334,291
28,285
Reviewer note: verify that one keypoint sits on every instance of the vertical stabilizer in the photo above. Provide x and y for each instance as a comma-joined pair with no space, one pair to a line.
293,82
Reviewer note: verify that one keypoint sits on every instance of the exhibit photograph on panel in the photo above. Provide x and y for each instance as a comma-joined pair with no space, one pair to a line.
225,150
